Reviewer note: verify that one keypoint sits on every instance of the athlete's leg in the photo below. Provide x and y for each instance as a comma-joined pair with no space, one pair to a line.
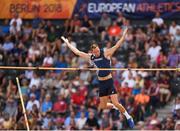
114,99
104,104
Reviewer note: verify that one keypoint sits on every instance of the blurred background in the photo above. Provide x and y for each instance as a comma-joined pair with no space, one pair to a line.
30,33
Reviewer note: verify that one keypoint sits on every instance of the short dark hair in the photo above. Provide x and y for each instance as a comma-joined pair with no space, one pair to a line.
93,46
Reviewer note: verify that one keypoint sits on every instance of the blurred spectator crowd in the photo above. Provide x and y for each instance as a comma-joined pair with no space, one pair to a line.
69,99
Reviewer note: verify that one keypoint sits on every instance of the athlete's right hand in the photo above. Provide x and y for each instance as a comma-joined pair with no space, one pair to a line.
65,39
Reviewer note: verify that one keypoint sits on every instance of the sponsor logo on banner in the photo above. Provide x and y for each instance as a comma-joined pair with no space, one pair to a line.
48,9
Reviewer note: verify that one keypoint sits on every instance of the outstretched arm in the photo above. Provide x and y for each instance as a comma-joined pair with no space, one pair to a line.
75,50
110,52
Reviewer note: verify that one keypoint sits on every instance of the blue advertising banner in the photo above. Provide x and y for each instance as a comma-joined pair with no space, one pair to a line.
133,9
65,9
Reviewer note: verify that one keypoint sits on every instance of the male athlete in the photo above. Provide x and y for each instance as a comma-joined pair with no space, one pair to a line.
101,59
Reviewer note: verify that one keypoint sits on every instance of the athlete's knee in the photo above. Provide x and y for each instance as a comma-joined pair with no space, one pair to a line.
115,103
102,106
119,106
114,100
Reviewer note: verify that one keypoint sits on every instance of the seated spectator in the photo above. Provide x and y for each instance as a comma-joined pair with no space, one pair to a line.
142,101
131,82
83,89
24,87
158,20
47,121
153,92
125,89
11,108
93,102
167,122
173,28
33,53
104,22
126,73
142,98
85,76
140,80
47,81
114,30
80,123
15,24
12,90
72,125
140,36
164,89
36,20
31,102
71,41
1,34
173,58
8,122
59,121
27,29
92,122
48,60
41,34
177,126
64,49
136,90
34,116
47,104
8,44
153,122
48,25
177,37
77,98
35,91
129,38
60,106
69,119
87,24
139,85
177,112
161,60
65,92
106,123
61,63
66,27
2,100
35,80
5,27
126,24
132,62
120,20
51,34
75,24
1,123
14,29
82,109
153,51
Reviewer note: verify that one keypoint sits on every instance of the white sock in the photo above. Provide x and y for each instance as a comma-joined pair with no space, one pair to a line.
127,115
114,107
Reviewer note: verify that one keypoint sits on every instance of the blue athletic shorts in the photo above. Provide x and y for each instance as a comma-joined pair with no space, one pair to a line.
106,88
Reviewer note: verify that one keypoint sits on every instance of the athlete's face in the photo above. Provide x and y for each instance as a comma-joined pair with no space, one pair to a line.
96,51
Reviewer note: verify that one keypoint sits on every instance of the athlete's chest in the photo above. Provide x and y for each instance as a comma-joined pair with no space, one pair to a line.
101,62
